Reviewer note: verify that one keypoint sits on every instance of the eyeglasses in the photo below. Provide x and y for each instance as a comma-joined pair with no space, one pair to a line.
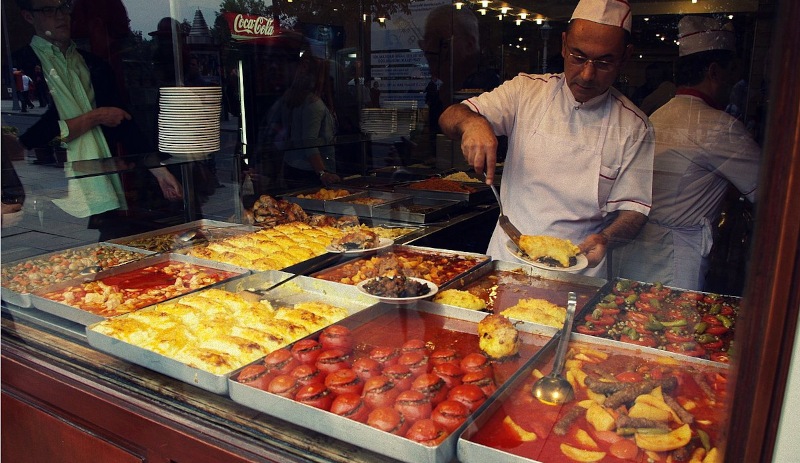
51,11
599,64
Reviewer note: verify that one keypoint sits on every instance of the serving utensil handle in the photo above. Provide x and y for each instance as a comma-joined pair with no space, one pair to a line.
561,349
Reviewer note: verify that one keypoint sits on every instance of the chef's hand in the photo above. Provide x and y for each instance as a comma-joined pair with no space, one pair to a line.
594,248
478,141
329,178
479,145
170,186
12,215
623,228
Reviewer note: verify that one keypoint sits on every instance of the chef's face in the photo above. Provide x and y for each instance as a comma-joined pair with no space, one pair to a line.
593,55
50,19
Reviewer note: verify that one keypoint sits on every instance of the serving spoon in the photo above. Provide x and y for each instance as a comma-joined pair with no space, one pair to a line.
554,389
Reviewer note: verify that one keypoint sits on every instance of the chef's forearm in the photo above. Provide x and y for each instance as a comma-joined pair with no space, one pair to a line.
455,119
624,228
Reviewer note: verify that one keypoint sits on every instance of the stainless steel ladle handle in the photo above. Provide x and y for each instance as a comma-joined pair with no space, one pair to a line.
561,349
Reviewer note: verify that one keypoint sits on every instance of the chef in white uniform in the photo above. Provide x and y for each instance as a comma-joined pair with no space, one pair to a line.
700,151
580,154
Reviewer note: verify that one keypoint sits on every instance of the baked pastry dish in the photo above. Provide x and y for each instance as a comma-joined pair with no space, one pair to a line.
218,331
270,249
537,311
550,250
460,298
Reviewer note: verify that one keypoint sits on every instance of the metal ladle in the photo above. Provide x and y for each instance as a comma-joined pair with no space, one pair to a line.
90,270
554,389
190,235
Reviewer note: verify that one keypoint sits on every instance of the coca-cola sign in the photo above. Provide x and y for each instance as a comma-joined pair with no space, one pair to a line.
249,27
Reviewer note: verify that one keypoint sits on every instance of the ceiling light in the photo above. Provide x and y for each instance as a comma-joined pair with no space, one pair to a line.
500,17
485,3
518,21
459,5
523,15
730,16
482,11
504,9
539,21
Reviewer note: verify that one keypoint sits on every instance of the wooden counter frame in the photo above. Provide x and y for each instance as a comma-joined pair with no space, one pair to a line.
145,413
766,335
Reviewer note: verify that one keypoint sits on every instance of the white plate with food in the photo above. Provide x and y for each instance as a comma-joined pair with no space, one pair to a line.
359,241
399,289
581,262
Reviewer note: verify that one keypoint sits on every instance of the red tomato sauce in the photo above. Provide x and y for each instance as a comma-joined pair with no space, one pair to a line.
531,415
128,291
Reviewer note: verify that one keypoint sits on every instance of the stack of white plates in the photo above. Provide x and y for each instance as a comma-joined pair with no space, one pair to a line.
378,120
189,120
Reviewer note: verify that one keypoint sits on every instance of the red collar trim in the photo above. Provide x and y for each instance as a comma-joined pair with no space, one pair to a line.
697,93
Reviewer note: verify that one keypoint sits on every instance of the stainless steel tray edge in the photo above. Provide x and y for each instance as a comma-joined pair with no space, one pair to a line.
482,259
86,318
342,428
471,452
202,223
528,269
300,289
446,206
481,194
361,434
316,205
217,384
24,299
345,206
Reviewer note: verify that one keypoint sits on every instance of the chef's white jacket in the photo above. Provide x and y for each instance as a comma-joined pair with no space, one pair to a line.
568,164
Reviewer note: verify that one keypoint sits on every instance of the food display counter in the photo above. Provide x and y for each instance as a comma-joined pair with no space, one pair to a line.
56,385
58,379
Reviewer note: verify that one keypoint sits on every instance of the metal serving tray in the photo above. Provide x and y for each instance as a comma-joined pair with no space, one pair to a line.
508,282
472,452
449,318
300,289
482,193
481,259
347,206
165,238
437,209
24,299
714,311
86,318
366,183
404,174
315,204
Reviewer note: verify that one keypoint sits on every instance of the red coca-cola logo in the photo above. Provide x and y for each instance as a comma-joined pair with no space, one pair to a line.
250,26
